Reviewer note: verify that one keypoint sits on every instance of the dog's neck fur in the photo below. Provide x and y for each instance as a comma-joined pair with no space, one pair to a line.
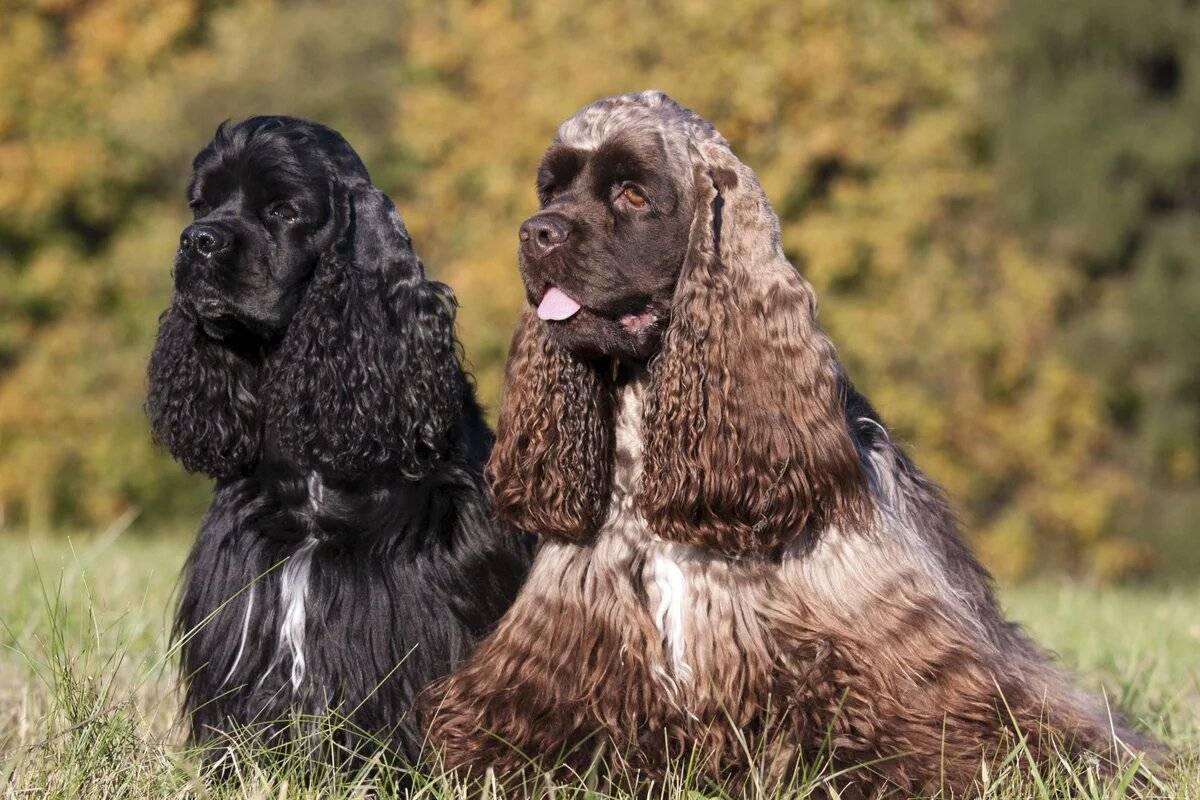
662,573
689,592
305,508
308,592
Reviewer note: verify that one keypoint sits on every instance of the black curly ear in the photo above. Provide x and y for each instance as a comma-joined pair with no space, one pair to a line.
201,400
368,375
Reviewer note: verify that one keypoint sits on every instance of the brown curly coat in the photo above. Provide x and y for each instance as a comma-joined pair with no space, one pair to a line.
739,566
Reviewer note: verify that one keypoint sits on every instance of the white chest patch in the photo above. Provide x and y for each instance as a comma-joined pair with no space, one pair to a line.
671,584
663,569
293,593
293,599
316,491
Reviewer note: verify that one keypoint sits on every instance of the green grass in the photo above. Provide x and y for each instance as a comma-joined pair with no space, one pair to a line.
88,704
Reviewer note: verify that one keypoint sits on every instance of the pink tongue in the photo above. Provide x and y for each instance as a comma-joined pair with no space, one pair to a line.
557,305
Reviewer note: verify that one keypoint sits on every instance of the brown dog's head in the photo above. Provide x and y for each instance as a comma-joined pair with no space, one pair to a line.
600,260
655,244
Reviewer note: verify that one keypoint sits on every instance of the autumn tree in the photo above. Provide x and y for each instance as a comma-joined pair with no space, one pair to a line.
872,125
1099,162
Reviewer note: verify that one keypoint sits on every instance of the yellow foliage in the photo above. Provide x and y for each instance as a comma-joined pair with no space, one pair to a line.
861,121
864,121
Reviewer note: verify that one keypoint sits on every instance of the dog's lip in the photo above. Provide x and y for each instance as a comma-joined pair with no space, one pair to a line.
212,314
208,306
640,321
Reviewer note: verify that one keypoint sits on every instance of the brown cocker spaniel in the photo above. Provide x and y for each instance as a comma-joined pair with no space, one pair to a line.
739,566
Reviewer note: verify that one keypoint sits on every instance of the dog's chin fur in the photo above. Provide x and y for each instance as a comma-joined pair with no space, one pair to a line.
349,556
743,575
589,335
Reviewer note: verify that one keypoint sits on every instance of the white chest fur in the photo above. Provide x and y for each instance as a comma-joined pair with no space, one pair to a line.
665,571
294,580
293,601
671,615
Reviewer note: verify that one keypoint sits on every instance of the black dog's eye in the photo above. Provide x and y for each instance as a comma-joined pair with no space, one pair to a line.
546,193
284,211
198,207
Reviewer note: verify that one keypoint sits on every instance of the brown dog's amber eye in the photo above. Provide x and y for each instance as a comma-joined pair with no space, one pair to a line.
635,198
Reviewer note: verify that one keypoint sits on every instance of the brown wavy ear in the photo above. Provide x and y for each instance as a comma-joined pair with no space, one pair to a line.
550,468
745,432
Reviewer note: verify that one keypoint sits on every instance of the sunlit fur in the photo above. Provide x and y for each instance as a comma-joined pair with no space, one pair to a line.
770,580
349,555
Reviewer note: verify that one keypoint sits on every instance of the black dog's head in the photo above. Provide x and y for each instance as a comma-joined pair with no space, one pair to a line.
301,314
268,198
600,260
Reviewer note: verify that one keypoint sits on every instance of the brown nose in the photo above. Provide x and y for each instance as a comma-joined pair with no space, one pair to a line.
543,233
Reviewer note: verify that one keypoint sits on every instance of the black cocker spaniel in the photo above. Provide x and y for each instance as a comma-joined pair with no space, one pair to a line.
349,556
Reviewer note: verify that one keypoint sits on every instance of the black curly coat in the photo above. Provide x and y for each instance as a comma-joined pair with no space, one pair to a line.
306,363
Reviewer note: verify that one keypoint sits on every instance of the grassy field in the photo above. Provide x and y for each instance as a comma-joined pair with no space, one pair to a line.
87,705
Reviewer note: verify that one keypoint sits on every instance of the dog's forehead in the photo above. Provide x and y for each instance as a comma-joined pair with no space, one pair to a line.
640,115
593,127
263,163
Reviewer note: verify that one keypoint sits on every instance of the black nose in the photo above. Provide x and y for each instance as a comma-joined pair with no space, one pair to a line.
204,239
543,233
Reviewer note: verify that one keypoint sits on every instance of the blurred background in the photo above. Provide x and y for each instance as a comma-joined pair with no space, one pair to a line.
997,202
